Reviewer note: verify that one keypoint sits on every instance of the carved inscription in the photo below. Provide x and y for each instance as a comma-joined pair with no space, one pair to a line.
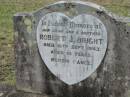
73,48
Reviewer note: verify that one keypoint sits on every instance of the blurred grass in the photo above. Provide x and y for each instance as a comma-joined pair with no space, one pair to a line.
10,7
120,10
7,9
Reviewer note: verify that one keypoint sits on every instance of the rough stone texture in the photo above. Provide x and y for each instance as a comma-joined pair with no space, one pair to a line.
111,79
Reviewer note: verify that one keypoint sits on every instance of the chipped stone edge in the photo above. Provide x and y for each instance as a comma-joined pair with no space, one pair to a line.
23,14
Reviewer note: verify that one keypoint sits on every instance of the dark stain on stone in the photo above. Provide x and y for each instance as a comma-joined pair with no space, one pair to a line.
100,12
68,6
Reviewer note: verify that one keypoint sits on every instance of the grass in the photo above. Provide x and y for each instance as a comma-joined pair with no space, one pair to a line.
120,10
7,9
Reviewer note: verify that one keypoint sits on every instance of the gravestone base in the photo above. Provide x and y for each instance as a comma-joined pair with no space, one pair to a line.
15,93
24,94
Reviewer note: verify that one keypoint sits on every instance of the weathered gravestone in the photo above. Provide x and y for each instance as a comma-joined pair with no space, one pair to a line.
72,49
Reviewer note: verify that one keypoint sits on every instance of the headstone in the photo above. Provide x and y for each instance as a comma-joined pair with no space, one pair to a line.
72,49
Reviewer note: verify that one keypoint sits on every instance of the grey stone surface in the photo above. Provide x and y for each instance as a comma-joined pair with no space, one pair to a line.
111,79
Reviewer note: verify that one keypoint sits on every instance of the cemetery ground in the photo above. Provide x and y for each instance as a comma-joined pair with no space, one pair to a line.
10,7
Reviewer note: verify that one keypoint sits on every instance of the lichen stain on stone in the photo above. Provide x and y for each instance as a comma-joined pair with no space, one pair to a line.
73,11
21,23
70,10
128,93
128,24
28,23
94,76
16,34
105,69
30,43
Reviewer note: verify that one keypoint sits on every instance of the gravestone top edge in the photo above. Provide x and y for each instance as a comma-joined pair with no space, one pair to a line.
90,4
